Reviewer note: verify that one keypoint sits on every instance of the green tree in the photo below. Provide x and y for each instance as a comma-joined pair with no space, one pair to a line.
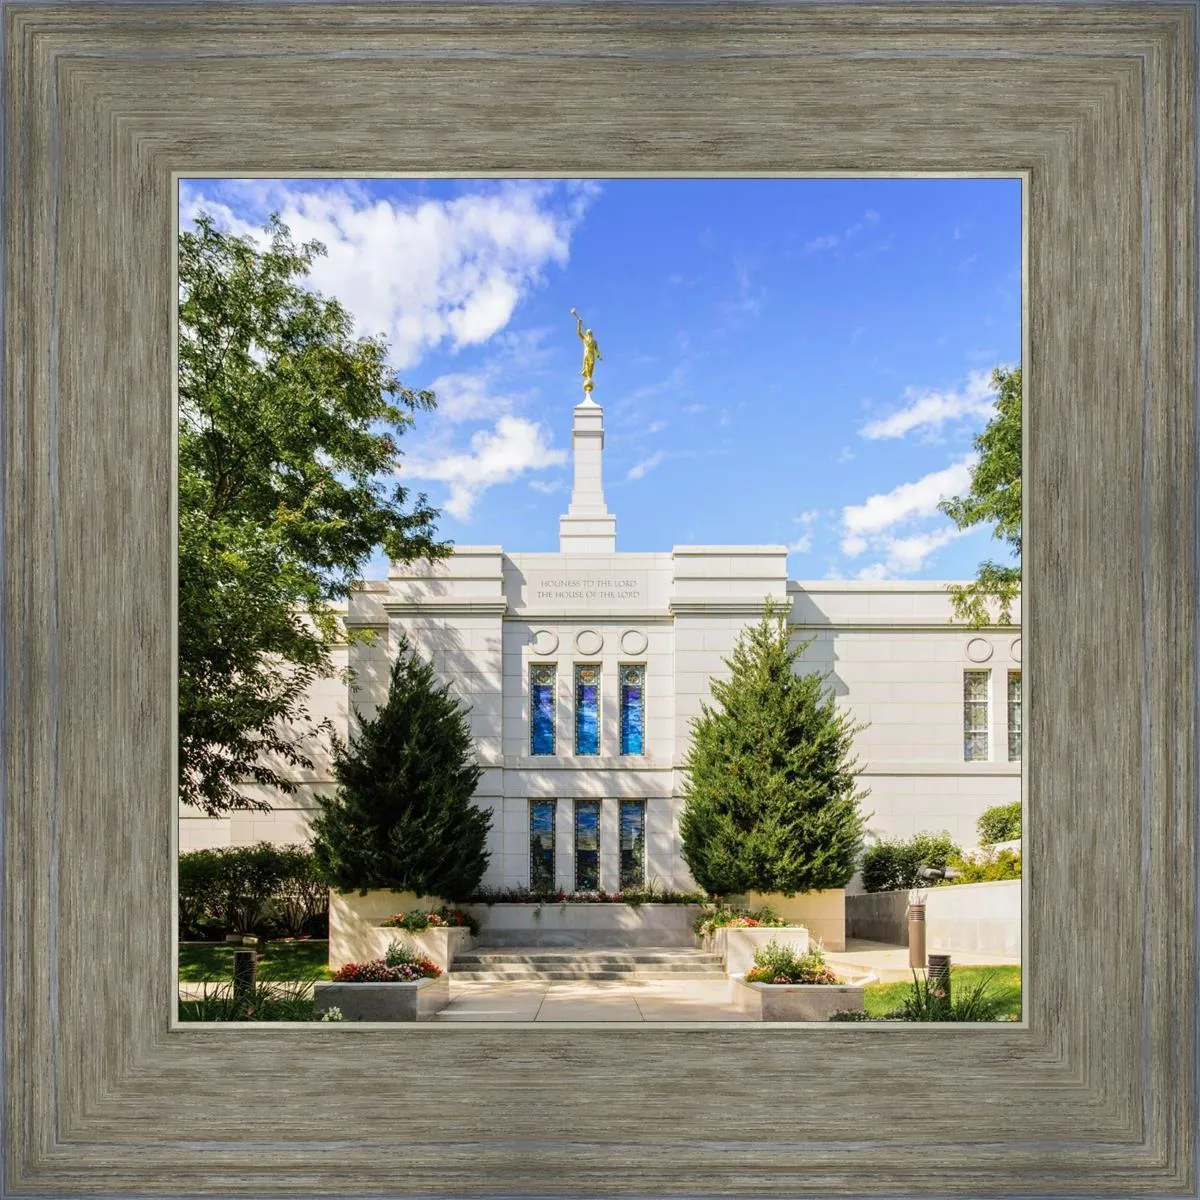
288,456
770,802
994,498
403,817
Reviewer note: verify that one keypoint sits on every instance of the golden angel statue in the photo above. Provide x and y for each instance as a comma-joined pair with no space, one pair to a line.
591,352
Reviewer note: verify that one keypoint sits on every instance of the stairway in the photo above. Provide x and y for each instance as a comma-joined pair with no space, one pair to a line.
539,964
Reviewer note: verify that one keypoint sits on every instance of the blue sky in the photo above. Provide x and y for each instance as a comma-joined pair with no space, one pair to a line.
799,361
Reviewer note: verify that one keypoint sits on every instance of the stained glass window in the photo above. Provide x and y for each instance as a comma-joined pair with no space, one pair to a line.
587,709
633,708
587,845
1014,716
541,708
541,845
975,715
633,844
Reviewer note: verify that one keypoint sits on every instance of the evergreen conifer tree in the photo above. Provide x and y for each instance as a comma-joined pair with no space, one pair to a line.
402,817
770,802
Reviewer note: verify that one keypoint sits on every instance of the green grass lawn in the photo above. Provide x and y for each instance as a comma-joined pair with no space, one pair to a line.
199,961
1004,983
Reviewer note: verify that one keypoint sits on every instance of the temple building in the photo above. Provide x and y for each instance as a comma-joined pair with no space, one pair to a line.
583,669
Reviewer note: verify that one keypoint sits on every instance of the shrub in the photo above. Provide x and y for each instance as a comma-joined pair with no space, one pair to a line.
771,802
301,896
987,868
774,963
416,920
250,889
1000,823
723,917
403,816
201,889
892,865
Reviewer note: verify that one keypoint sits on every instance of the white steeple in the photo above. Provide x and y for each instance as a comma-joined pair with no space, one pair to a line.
587,527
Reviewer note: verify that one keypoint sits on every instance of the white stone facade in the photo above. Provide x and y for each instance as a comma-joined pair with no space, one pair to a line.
895,658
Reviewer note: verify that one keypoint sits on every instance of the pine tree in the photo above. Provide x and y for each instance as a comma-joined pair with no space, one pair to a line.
402,817
770,802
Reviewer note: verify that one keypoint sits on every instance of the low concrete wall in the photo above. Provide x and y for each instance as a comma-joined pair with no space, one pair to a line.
878,917
978,918
984,918
549,924
822,913
441,946
736,946
354,919
384,1001
795,1001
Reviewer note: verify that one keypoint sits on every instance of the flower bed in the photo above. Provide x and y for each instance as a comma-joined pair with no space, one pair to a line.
401,986
631,896
417,920
724,917
784,985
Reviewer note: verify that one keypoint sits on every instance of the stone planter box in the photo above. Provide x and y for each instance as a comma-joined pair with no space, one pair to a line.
384,1001
796,1001
440,946
354,922
553,924
822,913
736,946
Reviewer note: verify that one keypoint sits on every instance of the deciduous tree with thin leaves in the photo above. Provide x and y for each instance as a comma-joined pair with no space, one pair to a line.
771,802
994,499
288,458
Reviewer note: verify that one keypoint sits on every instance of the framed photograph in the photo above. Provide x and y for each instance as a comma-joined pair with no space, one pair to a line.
581,968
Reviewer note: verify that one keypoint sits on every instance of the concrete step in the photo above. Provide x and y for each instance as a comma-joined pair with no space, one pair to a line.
563,975
541,964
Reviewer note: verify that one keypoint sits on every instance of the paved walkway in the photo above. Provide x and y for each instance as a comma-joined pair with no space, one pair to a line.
588,1000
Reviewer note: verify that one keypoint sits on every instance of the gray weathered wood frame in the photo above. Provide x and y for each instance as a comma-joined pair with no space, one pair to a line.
1096,1094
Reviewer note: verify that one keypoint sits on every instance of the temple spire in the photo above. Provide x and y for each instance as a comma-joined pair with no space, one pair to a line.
587,527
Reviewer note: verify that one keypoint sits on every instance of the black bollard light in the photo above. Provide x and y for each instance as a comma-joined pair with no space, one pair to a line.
245,967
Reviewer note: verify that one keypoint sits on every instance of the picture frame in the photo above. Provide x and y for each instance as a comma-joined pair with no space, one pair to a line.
1095,1092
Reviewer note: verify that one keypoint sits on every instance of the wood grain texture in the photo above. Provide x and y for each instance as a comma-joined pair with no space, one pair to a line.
1096,1096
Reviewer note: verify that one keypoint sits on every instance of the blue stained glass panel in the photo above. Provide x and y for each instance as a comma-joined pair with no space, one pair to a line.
587,710
541,710
541,845
633,709
587,845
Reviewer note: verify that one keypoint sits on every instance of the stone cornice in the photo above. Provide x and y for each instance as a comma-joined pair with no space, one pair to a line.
466,606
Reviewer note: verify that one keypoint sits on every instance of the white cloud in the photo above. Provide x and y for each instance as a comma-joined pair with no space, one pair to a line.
420,273
548,486
467,397
853,545
830,241
874,571
646,465
807,518
909,500
845,455
515,446
928,409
